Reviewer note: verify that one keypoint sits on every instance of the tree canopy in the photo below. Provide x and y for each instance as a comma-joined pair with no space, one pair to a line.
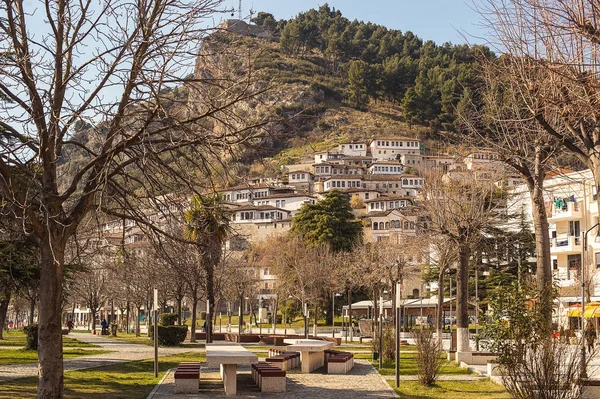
329,221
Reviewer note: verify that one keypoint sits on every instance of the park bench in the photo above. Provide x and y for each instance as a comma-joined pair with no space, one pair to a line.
187,377
338,362
269,378
292,359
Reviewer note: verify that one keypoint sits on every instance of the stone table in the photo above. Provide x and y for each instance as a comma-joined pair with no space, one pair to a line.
227,357
312,352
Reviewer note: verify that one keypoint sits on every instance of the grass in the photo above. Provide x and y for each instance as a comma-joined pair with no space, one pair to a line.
20,356
17,338
132,380
451,390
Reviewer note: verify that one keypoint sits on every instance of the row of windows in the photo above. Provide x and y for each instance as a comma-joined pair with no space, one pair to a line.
299,176
412,182
322,169
356,146
398,143
391,204
397,169
261,215
342,184
394,224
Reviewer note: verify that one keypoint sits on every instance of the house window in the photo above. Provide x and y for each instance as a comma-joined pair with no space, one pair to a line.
366,196
266,273
597,258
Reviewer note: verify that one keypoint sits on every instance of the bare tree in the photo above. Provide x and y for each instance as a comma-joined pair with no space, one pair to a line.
460,210
552,51
504,124
94,121
444,256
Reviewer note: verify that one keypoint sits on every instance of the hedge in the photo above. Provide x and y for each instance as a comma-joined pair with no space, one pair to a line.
168,319
171,335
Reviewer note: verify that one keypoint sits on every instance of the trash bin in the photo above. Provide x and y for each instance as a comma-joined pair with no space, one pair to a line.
453,340
113,329
375,356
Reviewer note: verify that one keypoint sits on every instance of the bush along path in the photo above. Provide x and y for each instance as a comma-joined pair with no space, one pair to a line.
119,352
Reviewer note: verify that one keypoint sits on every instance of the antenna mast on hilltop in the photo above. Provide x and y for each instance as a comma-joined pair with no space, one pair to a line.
240,10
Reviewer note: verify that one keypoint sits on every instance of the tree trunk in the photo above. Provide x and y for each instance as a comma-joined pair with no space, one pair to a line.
440,304
32,310
5,295
50,354
179,304
543,259
137,320
462,296
210,295
194,310
315,322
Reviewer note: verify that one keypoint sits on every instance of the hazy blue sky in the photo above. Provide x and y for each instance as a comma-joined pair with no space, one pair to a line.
437,20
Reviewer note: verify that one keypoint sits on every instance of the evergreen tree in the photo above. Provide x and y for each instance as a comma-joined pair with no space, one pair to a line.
358,84
329,221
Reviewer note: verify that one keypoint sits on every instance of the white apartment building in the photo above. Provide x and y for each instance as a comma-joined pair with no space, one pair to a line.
248,192
353,149
393,148
570,201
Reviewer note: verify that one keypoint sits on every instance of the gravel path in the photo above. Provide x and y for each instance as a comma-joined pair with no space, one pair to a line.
122,352
362,382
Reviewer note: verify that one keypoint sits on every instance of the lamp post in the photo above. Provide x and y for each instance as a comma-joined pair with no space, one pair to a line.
584,245
260,315
333,312
380,331
398,334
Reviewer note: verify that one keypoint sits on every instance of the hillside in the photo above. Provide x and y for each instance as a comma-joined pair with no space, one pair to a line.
377,81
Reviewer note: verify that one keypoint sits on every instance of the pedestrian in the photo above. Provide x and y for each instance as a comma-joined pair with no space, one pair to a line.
590,337
70,324
104,325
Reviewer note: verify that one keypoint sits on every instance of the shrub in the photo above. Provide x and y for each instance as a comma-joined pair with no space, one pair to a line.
429,353
32,336
168,319
171,335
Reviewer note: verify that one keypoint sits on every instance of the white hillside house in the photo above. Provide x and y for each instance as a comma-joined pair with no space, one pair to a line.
353,149
393,148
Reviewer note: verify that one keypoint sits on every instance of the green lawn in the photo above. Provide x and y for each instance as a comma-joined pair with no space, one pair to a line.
132,380
452,390
19,356
17,338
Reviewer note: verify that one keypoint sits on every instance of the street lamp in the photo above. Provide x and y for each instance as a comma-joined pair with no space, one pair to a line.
584,245
333,312
398,294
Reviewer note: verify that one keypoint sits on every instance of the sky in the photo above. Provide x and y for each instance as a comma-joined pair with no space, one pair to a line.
437,20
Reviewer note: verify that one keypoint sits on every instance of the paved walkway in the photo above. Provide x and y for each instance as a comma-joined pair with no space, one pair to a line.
122,352
362,382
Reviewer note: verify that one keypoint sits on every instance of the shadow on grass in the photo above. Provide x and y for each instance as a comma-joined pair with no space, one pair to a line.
131,380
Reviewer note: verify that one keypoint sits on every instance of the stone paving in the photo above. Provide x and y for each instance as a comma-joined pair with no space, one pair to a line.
122,352
362,382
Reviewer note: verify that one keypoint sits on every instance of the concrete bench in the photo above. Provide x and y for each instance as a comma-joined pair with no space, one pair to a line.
271,380
293,358
340,363
268,378
187,380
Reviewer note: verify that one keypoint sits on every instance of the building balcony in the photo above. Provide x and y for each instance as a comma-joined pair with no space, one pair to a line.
568,211
565,245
